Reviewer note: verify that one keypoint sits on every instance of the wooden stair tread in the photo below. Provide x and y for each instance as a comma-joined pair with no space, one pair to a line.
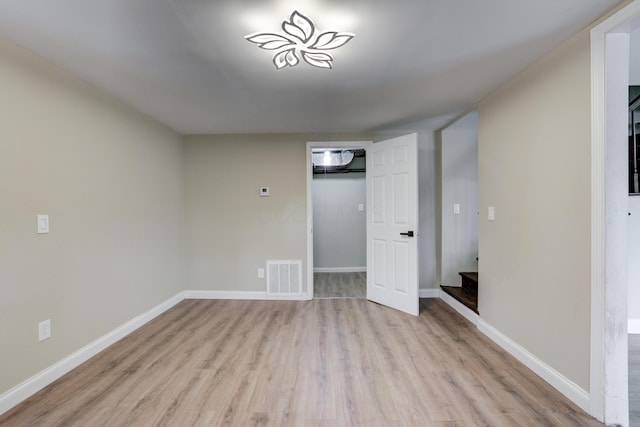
466,298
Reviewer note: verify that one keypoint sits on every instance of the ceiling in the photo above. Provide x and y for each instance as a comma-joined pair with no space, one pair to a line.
186,63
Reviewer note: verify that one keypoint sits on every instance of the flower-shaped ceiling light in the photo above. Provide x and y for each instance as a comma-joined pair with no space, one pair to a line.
300,38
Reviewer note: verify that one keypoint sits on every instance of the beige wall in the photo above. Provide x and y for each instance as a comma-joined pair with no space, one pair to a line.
111,182
534,168
230,230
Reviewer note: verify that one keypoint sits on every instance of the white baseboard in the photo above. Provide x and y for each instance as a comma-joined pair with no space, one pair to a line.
27,388
340,270
466,312
565,386
429,293
241,295
634,326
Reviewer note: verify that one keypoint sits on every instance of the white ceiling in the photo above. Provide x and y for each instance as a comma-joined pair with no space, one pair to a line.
186,62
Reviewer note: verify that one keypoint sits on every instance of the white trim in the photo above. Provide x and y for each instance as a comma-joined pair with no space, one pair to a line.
309,222
340,270
601,396
27,388
429,293
310,146
633,326
565,386
242,295
596,374
466,312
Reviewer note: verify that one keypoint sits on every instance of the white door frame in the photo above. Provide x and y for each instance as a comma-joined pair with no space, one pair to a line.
310,146
609,206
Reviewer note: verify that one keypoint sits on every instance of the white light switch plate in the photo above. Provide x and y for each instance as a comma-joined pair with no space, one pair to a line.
43,224
456,208
361,207
44,330
491,213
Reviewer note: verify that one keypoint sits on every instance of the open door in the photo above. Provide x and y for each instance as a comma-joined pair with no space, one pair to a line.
392,223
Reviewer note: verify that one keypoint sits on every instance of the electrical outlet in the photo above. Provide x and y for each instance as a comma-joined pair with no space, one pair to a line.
261,273
44,330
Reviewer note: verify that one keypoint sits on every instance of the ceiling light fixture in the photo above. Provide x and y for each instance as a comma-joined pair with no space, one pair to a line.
332,158
300,38
327,158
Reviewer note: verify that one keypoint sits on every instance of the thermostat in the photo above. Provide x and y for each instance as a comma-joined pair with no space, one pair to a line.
264,191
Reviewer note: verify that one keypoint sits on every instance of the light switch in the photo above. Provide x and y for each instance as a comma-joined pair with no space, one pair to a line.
491,213
361,207
43,224
456,208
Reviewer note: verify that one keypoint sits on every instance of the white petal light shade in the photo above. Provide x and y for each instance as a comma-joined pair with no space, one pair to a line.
300,39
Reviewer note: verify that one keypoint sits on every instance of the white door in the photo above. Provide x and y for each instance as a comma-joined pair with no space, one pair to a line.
392,223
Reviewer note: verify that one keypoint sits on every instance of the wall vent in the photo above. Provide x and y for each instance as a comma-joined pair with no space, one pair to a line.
284,278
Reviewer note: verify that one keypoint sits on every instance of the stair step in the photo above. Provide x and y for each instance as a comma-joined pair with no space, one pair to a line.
470,281
466,298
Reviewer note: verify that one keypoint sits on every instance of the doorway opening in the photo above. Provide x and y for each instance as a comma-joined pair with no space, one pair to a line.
459,217
633,255
391,220
337,181
610,206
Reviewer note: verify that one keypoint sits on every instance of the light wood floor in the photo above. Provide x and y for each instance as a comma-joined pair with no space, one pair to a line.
634,380
340,285
331,362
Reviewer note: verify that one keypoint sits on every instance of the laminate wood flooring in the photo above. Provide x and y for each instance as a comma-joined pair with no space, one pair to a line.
340,285
634,380
325,362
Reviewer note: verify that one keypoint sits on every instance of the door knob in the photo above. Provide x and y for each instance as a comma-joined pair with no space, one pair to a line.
408,234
